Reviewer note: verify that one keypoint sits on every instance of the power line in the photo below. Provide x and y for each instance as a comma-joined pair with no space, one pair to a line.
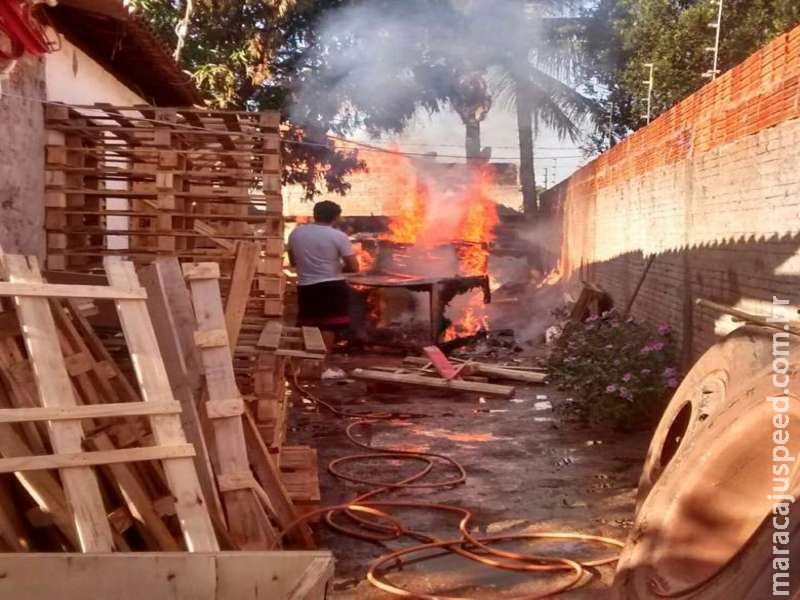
181,126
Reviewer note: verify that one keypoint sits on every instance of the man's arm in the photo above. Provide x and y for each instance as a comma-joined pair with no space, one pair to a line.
348,254
350,264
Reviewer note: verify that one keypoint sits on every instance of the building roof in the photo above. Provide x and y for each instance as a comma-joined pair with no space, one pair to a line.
125,45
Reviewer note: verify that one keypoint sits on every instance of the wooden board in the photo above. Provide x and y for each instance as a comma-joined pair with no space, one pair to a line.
166,576
249,524
434,382
244,271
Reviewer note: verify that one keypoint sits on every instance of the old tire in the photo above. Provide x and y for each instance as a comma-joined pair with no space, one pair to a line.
738,357
704,532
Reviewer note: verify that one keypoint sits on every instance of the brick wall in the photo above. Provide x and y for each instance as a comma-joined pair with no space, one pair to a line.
389,179
711,188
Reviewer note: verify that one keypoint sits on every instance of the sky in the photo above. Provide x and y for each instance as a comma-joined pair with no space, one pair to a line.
443,133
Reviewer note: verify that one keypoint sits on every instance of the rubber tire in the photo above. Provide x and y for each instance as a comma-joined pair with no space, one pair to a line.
679,537
738,357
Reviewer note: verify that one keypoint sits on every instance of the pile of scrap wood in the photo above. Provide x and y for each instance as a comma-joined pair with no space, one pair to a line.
169,458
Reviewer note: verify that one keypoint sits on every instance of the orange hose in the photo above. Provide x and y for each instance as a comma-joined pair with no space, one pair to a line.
383,527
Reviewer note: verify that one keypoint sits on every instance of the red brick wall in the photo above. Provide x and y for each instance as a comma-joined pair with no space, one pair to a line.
711,188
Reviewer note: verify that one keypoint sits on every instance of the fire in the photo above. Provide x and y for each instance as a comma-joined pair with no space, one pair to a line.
434,205
366,261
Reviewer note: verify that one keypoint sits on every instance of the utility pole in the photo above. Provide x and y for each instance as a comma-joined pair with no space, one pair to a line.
715,48
650,85
611,127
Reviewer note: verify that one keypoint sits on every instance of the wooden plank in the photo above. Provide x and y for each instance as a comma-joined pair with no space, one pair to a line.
493,371
149,367
55,290
249,525
96,411
312,338
268,475
271,336
212,234
13,534
90,459
159,575
170,308
55,390
244,270
134,494
434,382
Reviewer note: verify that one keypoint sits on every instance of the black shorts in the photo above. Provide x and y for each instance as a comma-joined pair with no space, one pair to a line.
325,305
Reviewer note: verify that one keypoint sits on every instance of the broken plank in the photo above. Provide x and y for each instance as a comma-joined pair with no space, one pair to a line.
434,382
244,270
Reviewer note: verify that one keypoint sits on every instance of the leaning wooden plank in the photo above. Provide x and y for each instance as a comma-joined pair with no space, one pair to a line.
269,476
271,336
244,269
312,338
55,390
92,411
190,504
211,233
165,576
54,290
434,382
170,308
134,494
249,525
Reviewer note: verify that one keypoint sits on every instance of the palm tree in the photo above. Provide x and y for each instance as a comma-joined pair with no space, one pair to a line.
535,89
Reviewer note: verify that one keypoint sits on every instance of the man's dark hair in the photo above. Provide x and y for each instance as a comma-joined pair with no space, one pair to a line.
326,211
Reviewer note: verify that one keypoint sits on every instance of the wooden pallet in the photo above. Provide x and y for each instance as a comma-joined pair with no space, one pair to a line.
59,407
300,475
275,348
143,182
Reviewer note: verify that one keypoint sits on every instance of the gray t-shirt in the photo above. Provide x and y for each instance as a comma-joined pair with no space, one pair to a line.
318,251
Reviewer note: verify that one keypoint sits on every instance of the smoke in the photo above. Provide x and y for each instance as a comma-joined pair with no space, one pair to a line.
379,61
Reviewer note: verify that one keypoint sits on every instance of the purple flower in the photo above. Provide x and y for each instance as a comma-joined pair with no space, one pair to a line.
672,383
627,377
670,373
653,347
625,393
646,371
612,388
664,329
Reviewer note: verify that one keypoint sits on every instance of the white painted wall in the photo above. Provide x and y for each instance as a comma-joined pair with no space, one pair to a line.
73,77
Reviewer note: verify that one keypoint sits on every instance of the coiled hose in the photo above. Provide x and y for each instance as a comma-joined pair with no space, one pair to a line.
375,524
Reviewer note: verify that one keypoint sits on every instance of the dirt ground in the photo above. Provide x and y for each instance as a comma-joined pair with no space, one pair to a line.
526,470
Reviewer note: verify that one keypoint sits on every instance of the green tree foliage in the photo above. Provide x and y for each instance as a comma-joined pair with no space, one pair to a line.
621,36
252,55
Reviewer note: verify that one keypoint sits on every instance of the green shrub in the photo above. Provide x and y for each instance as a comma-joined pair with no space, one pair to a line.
621,372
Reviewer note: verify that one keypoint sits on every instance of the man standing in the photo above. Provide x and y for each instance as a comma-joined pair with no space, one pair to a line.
321,254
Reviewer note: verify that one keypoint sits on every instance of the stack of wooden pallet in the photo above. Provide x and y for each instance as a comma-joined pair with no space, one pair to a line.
92,463
143,182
